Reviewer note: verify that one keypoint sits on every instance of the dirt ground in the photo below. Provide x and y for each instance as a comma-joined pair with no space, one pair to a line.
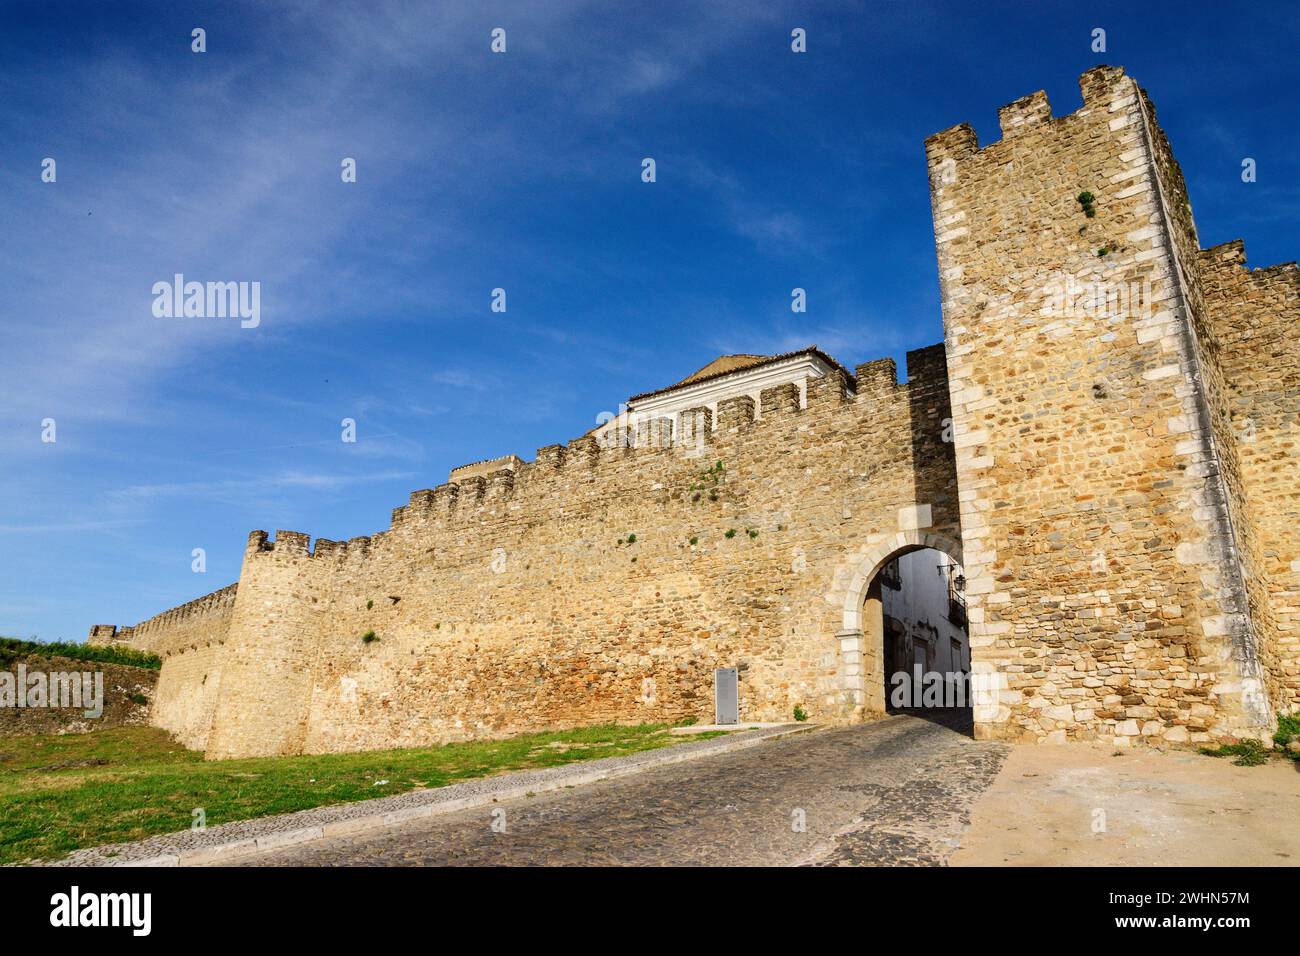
1087,806
121,683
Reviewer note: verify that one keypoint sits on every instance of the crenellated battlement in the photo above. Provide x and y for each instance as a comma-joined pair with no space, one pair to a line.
1250,309
220,600
466,500
201,620
485,467
650,445
1099,87
528,484
1227,261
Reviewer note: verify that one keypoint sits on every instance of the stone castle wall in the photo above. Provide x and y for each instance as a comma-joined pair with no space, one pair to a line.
520,601
1106,441
190,640
197,623
1237,553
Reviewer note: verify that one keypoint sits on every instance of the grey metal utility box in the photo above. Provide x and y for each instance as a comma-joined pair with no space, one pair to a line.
726,695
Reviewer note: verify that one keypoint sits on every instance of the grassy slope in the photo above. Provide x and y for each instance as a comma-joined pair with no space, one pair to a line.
11,648
60,793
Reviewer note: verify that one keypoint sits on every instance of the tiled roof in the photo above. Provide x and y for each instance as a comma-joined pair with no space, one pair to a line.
721,364
727,364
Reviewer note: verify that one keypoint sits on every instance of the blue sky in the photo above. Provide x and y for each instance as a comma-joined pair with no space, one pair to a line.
478,171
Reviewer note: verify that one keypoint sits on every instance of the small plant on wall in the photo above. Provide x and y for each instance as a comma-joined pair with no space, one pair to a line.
800,714
369,637
707,482
1086,200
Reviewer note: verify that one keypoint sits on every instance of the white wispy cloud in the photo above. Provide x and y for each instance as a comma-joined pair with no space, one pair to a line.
251,193
239,489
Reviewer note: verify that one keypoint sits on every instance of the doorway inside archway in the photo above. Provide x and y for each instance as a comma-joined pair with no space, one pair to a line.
915,614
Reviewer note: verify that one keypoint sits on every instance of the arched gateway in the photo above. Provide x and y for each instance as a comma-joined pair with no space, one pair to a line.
861,636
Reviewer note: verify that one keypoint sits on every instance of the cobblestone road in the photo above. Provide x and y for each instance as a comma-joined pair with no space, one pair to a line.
889,793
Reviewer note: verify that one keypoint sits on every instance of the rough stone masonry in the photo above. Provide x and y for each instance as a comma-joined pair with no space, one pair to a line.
1106,440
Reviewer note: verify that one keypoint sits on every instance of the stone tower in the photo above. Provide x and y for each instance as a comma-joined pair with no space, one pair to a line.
272,643
1118,582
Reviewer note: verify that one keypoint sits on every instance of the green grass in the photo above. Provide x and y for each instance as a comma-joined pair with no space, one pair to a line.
1288,729
1249,753
60,793
11,649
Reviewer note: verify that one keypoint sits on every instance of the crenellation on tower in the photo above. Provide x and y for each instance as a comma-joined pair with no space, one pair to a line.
328,550
292,542
1023,114
956,142
1098,87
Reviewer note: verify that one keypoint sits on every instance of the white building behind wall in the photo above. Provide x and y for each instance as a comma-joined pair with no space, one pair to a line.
725,377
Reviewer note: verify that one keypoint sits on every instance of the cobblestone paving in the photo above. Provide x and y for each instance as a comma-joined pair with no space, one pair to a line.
897,792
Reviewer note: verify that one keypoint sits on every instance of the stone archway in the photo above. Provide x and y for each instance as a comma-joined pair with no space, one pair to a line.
861,658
